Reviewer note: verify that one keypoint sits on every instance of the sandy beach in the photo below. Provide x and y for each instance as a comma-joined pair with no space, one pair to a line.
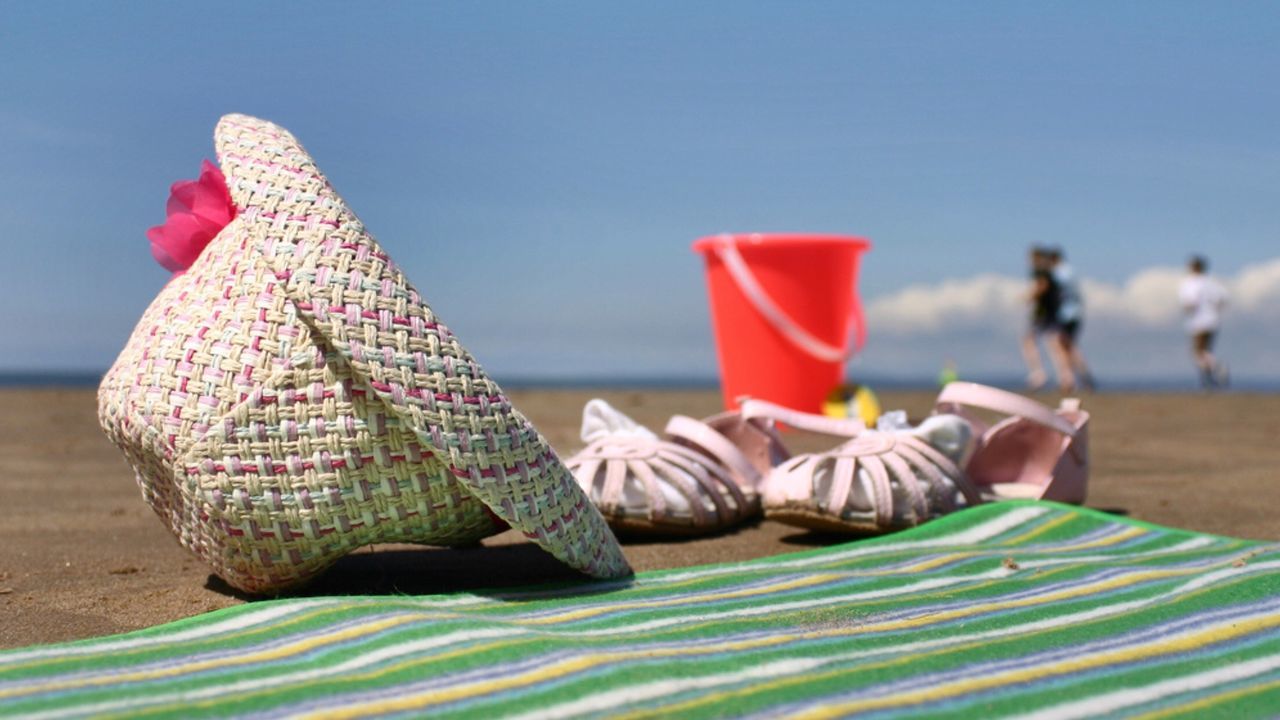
81,555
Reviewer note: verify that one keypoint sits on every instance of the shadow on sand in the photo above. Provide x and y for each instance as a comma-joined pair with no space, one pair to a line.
401,570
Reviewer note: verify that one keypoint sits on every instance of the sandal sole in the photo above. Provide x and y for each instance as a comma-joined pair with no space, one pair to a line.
812,520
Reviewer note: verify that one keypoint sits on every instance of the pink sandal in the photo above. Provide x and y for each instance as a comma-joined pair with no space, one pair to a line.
884,480
880,481
1035,453
700,478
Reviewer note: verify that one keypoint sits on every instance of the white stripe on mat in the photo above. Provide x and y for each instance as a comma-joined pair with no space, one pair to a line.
997,526
198,632
613,699
1112,701
1186,546
226,690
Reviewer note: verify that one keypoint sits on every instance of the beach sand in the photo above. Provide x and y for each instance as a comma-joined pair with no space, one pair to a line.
81,555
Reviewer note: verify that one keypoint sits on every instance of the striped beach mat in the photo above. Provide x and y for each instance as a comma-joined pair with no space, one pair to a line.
1012,609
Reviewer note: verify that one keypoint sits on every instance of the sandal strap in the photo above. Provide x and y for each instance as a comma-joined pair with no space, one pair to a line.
844,473
644,472
959,394
719,447
763,409
860,454
874,461
881,487
900,466
714,479
935,461
690,472
614,478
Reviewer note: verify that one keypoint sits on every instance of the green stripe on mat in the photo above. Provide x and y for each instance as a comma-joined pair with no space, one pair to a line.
1020,608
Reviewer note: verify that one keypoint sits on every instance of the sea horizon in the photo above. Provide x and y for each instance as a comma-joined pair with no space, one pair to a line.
87,379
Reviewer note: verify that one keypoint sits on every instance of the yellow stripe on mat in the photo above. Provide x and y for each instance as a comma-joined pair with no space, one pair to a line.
1191,641
586,662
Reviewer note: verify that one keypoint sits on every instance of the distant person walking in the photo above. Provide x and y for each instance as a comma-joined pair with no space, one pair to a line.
1203,299
1069,320
1044,300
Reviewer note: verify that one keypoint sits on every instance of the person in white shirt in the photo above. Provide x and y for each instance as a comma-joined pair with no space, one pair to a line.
1203,299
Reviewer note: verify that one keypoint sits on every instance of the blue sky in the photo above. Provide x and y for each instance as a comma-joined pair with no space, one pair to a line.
540,169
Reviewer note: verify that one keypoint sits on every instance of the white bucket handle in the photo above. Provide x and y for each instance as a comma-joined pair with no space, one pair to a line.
727,251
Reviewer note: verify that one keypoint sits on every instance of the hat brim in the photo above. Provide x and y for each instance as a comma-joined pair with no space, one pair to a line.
347,289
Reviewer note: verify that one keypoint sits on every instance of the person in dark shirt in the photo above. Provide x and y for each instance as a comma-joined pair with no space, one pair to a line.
1044,298
1070,317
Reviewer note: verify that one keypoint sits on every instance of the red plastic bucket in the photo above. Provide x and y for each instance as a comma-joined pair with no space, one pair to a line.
785,309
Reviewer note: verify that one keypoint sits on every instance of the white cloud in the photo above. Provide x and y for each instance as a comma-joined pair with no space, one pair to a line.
1256,290
924,309
1148,299
1132,329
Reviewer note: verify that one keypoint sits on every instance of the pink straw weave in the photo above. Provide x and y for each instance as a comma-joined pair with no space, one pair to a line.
291,397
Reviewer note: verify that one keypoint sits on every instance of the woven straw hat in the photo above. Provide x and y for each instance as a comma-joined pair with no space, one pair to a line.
291,397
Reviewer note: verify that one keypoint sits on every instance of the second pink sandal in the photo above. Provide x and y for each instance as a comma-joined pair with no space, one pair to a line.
1033,453
892,478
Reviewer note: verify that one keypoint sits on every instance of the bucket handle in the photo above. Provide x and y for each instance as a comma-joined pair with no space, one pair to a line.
728,253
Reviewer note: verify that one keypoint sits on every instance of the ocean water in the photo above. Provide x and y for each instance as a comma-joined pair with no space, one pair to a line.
88,379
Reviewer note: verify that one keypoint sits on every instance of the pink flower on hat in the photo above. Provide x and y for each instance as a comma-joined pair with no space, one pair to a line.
197,211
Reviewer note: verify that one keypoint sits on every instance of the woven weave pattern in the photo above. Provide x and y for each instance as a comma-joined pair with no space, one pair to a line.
291,397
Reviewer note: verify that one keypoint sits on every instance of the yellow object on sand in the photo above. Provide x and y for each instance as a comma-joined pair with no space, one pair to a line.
852,401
